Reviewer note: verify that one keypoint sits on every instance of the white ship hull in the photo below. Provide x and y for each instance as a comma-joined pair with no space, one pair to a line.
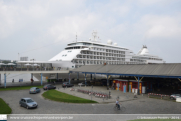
80,53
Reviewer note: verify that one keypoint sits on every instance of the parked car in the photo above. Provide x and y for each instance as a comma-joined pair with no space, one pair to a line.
103,82
83,84
48,87
34,90
174,96
28,103
66,84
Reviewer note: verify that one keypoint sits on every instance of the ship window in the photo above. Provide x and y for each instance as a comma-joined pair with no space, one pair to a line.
86,44
99,45
71,44
79,44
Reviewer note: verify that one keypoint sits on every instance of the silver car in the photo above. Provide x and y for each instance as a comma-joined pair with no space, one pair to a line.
28,103
174,96
34,90
81,84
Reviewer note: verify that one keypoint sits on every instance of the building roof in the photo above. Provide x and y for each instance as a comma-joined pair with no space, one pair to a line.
147,70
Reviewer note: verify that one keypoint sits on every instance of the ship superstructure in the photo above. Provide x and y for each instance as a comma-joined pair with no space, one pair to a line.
94,52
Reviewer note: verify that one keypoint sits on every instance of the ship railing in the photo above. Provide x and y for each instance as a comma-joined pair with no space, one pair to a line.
35,69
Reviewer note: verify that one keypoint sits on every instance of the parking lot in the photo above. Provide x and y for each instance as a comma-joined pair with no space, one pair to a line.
140,105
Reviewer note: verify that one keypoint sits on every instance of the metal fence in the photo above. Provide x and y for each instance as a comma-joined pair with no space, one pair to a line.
34,69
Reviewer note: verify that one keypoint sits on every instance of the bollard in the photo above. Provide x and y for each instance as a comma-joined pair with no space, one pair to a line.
91,92
103,98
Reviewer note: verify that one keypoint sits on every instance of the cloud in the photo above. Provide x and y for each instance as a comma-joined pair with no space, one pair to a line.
154,26
18,15
145,3
7,21
51,25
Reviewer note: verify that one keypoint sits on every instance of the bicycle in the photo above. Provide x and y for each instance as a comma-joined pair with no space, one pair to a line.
72,89
121,108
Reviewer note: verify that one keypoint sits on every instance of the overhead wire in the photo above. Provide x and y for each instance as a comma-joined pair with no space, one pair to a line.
39,47
43,46
49,45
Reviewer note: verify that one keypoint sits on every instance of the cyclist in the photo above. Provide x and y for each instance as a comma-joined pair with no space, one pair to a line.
117,103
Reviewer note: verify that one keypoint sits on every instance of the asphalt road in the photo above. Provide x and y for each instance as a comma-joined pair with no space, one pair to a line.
139,106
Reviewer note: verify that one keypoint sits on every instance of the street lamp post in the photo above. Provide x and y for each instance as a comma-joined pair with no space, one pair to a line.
107,77
18,57
33,64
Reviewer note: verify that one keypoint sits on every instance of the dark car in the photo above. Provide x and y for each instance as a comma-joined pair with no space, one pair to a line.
34,90
66,84
28,103
48,87
103,82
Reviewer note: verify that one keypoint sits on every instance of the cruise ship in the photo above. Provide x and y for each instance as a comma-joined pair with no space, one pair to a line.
93,52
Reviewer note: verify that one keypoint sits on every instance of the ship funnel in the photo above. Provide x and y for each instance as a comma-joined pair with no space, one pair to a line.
143,51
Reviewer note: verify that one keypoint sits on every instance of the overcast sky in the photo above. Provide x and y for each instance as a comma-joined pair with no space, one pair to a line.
41,29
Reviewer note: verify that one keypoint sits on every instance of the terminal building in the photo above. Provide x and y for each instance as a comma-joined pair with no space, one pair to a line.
138,78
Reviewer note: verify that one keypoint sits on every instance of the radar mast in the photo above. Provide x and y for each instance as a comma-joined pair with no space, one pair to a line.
76,36
94,34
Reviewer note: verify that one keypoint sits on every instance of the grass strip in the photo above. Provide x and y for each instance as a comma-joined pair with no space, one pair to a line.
4,108
18,88
63,97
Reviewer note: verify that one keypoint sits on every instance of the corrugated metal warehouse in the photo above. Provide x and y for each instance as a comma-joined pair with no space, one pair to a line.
156,71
